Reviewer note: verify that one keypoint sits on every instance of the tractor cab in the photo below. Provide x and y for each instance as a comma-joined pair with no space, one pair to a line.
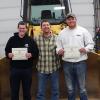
53,10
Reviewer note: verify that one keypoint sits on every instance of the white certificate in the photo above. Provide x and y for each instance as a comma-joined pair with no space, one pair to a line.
71,52
19,53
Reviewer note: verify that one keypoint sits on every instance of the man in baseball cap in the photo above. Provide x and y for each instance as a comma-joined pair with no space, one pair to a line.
73,44
70,15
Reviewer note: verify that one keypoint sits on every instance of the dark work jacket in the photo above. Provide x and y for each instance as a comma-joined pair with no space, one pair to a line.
25,42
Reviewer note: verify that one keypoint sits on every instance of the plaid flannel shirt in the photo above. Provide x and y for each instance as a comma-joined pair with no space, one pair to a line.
48,59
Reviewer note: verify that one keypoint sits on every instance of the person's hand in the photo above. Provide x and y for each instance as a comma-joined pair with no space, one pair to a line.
61,52
10,55
82,50
28,55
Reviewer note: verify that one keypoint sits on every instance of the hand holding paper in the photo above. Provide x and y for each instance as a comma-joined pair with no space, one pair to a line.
19,53
71,52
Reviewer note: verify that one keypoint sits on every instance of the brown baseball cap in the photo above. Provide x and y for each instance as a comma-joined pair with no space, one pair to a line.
70,15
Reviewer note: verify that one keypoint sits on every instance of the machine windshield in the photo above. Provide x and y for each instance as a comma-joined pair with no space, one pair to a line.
53,10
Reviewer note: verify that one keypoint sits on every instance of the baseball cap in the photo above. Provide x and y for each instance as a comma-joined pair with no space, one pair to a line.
70,15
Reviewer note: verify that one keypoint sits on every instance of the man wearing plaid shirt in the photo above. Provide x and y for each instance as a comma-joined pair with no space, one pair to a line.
48,63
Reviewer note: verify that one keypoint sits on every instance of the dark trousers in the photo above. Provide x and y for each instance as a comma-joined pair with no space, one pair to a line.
17,76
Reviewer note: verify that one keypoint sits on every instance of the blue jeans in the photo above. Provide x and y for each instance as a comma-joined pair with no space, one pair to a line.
42,83
75,76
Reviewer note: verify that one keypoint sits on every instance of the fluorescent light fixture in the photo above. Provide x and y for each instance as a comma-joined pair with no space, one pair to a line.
59,8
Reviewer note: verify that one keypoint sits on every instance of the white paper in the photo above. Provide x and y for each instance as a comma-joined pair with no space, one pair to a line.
19,53
71,52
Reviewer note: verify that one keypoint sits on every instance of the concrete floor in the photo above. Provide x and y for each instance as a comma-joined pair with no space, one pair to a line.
59,99
63,99
88,99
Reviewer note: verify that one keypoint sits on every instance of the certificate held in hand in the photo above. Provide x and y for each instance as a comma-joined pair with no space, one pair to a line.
19,53
71,52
